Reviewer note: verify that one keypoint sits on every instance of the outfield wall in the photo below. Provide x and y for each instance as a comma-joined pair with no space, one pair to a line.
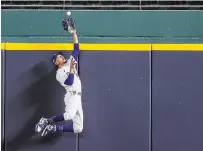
141,75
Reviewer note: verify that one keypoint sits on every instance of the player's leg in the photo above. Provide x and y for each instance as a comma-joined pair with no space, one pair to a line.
52,128
78,118
78,121
73,112
70,112
76,126
68,115
57,127
43,122
76,115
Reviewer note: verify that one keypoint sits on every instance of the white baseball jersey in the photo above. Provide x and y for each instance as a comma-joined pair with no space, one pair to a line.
62,75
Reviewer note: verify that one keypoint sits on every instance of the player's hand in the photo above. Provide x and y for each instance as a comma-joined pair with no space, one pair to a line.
69,25
72,64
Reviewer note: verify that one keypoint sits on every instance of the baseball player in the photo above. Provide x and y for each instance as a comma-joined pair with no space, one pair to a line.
67,76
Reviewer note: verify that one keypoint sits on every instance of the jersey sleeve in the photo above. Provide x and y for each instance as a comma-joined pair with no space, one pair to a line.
75,52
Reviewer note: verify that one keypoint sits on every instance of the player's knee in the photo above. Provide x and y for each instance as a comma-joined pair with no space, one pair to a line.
78,130
78,127
68,116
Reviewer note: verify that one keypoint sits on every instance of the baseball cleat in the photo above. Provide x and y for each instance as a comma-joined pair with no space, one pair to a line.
49,129
43,122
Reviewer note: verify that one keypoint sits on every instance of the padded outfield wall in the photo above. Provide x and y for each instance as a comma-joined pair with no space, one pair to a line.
141,74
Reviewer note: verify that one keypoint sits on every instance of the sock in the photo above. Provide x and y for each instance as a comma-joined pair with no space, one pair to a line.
58,118
64,128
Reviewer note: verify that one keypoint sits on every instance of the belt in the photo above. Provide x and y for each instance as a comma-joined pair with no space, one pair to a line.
75,93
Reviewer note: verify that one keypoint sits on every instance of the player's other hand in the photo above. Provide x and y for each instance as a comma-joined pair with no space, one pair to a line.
72,65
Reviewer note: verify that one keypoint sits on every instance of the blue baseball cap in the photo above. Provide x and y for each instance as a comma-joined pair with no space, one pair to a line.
55,56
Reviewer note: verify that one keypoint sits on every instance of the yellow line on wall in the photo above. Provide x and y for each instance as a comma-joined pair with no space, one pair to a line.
69,46
100,47
116,47
177,47
36,46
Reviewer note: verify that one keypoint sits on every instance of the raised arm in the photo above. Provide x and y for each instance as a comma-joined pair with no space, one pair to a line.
75,38
76,50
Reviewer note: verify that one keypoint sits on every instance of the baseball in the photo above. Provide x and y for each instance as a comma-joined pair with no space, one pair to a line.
68,13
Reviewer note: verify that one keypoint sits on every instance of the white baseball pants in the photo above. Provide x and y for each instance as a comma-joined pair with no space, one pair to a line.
74,111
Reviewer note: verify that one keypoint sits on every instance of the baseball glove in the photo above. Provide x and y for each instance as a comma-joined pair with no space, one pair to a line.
69,25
